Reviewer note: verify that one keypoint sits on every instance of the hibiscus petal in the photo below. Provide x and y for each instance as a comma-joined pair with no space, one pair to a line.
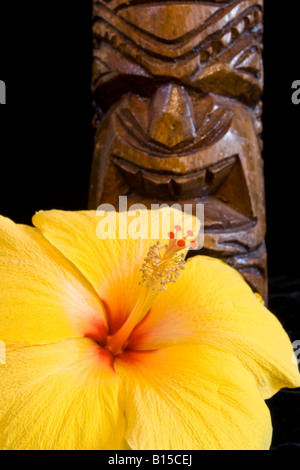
192,398
212,304
44,298
112,265
63,396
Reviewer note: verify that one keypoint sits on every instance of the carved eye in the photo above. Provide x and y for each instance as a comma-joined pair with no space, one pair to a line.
213,47
113,87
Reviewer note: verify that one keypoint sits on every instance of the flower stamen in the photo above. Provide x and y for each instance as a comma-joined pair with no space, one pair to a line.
164,263
162,266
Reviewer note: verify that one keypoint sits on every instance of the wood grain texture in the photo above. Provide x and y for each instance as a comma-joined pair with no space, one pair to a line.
177,90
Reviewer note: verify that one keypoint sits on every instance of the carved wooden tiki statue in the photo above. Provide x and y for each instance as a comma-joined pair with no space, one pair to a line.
177,88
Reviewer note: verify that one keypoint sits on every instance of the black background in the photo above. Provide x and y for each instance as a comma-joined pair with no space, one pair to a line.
46,140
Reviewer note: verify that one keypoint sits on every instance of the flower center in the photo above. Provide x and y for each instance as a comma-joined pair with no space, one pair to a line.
162,266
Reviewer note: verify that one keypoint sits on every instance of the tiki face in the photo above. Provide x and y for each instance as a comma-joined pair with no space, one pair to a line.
180,85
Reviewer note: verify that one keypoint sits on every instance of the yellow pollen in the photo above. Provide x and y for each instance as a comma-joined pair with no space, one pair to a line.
162,265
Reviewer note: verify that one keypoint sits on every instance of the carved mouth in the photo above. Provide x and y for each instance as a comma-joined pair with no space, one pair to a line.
206,185
197,184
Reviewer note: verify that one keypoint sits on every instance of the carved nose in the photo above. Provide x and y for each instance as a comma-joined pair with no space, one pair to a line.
171,116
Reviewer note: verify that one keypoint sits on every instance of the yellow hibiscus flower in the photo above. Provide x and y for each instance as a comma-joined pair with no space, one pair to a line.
97,359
